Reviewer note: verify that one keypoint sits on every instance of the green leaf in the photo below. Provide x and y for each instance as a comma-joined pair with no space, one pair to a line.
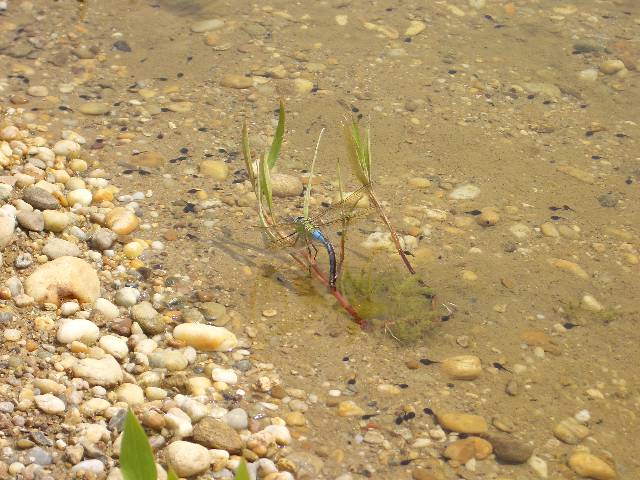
171,475
274,153
136,456
264,173
358,152
242,473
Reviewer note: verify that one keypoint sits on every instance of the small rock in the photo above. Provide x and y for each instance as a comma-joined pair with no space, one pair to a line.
590,466
302,85
349,408
462,422
67,148
236,81
130,394
107,309
214,169
465,192
207,25
55,221
462,367
609,67
148,159
121,46
509,449
79,330
56,247
187,458
126,296
105,372
148,318
63,278
571,431
213,433
488,217
7,227
570,267
113,345
283,185
576,173
93,465
49,403
172,360
548,229
415,27
40,199
204,337
471,447
122,220
38,91
33,220
94,108
590,303
237,419
103,239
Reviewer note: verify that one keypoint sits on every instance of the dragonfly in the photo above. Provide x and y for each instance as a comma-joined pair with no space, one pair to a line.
311,229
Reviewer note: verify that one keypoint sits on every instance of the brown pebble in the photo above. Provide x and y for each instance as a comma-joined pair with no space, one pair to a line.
277,391
122,326
170,235
412,364
18,99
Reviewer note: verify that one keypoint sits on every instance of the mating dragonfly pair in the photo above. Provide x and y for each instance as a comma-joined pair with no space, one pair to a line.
308,230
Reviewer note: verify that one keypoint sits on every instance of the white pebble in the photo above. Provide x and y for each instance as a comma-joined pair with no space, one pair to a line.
81,330
106,308
116,346
225,375
49,403
583,416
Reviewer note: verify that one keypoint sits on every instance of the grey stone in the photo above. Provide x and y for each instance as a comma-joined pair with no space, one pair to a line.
56,247
148,318
213,433
40,199
509,449
103,239
40,456
33,221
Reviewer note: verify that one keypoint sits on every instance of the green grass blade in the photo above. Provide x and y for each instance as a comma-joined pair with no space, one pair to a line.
171,475
307,193
274,153
357,153
246,153
242,473
136,456
264,173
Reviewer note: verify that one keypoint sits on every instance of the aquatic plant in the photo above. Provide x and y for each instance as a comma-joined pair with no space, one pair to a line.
136,456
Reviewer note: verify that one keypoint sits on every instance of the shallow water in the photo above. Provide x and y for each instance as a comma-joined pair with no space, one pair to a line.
510,97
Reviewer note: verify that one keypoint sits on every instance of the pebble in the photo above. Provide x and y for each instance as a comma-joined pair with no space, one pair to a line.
148,318
105,371
172,360
578,174
570,431
548,229
94,108
107,309
122,220
207,25
236,81
349,408
462,367
32,220
539,466
40,198
570,267
49,403
130,394
12,334
609,67
65,277
237,419
588,75
465,192
114,345
126,296
468,448
415,27
55,221
205,338
38,91
590,466
462,422
590,303
7,227
488,217
509,449
213,433
103,239
80,196
302,85
56,247
214,169
225,375
93,466
78,330
67,148
187,458
283,185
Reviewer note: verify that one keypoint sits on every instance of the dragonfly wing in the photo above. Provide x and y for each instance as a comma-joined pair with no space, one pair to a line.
346,217
343,208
